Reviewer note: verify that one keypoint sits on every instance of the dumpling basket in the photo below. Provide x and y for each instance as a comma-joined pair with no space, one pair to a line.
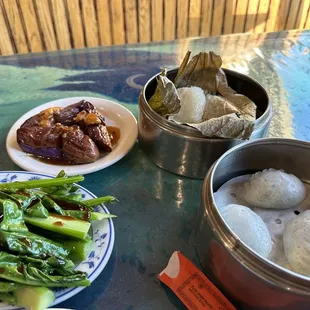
183,150
247,279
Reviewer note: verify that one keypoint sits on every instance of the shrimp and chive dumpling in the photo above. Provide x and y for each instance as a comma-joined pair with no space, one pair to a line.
249,227
273,189
296,241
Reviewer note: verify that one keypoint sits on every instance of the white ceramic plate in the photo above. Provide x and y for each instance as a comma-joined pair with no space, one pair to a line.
115,114
102,234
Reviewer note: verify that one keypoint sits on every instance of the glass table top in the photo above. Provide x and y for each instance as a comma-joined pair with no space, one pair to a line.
157,210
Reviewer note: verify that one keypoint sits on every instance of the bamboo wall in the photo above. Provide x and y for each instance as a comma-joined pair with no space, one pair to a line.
46,25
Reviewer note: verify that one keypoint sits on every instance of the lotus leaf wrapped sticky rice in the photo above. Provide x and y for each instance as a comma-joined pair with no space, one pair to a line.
201,98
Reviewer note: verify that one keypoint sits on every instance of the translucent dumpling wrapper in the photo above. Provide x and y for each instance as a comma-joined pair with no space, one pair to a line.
273,189
248,227
296,242
193,102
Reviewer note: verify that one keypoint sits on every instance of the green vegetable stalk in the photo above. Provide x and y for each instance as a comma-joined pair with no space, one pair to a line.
40,183
62,225
86,215
97,201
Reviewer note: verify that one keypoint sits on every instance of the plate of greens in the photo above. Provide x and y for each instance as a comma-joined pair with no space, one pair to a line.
55,236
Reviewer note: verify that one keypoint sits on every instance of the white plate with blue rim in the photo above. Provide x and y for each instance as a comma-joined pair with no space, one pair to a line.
115,115
102,235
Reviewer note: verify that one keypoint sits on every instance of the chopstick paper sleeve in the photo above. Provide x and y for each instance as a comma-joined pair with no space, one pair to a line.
192,287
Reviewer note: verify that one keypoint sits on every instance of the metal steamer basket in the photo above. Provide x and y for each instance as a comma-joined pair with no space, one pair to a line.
250,281
183,150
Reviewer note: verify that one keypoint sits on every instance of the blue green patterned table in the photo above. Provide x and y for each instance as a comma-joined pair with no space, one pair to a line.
157,210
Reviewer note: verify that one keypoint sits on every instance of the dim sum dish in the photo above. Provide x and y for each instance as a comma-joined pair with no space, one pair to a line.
249,227
274,189
73,134
270,205
80,135
200,97
191,115
270,178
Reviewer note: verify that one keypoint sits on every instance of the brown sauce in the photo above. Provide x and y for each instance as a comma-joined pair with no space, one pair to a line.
86,216
34,202
26,241
54,162
64,217
23,193
69,205
58,223
20,268
2,270
115,134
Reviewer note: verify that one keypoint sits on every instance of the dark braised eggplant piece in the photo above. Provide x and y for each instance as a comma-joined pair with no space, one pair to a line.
41,141
67,115
100,135
78,148
72,134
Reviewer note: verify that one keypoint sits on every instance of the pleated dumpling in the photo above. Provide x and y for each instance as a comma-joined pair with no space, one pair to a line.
273,189
296,241
249,227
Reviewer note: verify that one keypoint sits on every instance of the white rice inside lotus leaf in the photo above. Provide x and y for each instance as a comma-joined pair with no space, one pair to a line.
193,102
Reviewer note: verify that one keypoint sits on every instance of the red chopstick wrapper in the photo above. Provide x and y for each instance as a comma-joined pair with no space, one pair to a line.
192,287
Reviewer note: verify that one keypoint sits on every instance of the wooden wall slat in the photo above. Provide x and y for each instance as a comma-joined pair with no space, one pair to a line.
206,17
104,22
37,25
6,45
262,16
17,30
131,21
229,17
282,15
169,19
144,18
307,22
251,15
157,20
240,17
217,17
117,21
61,24
194,18
273,15
302,14
182,18
293,13
90,23
46,24
76,23
32,29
